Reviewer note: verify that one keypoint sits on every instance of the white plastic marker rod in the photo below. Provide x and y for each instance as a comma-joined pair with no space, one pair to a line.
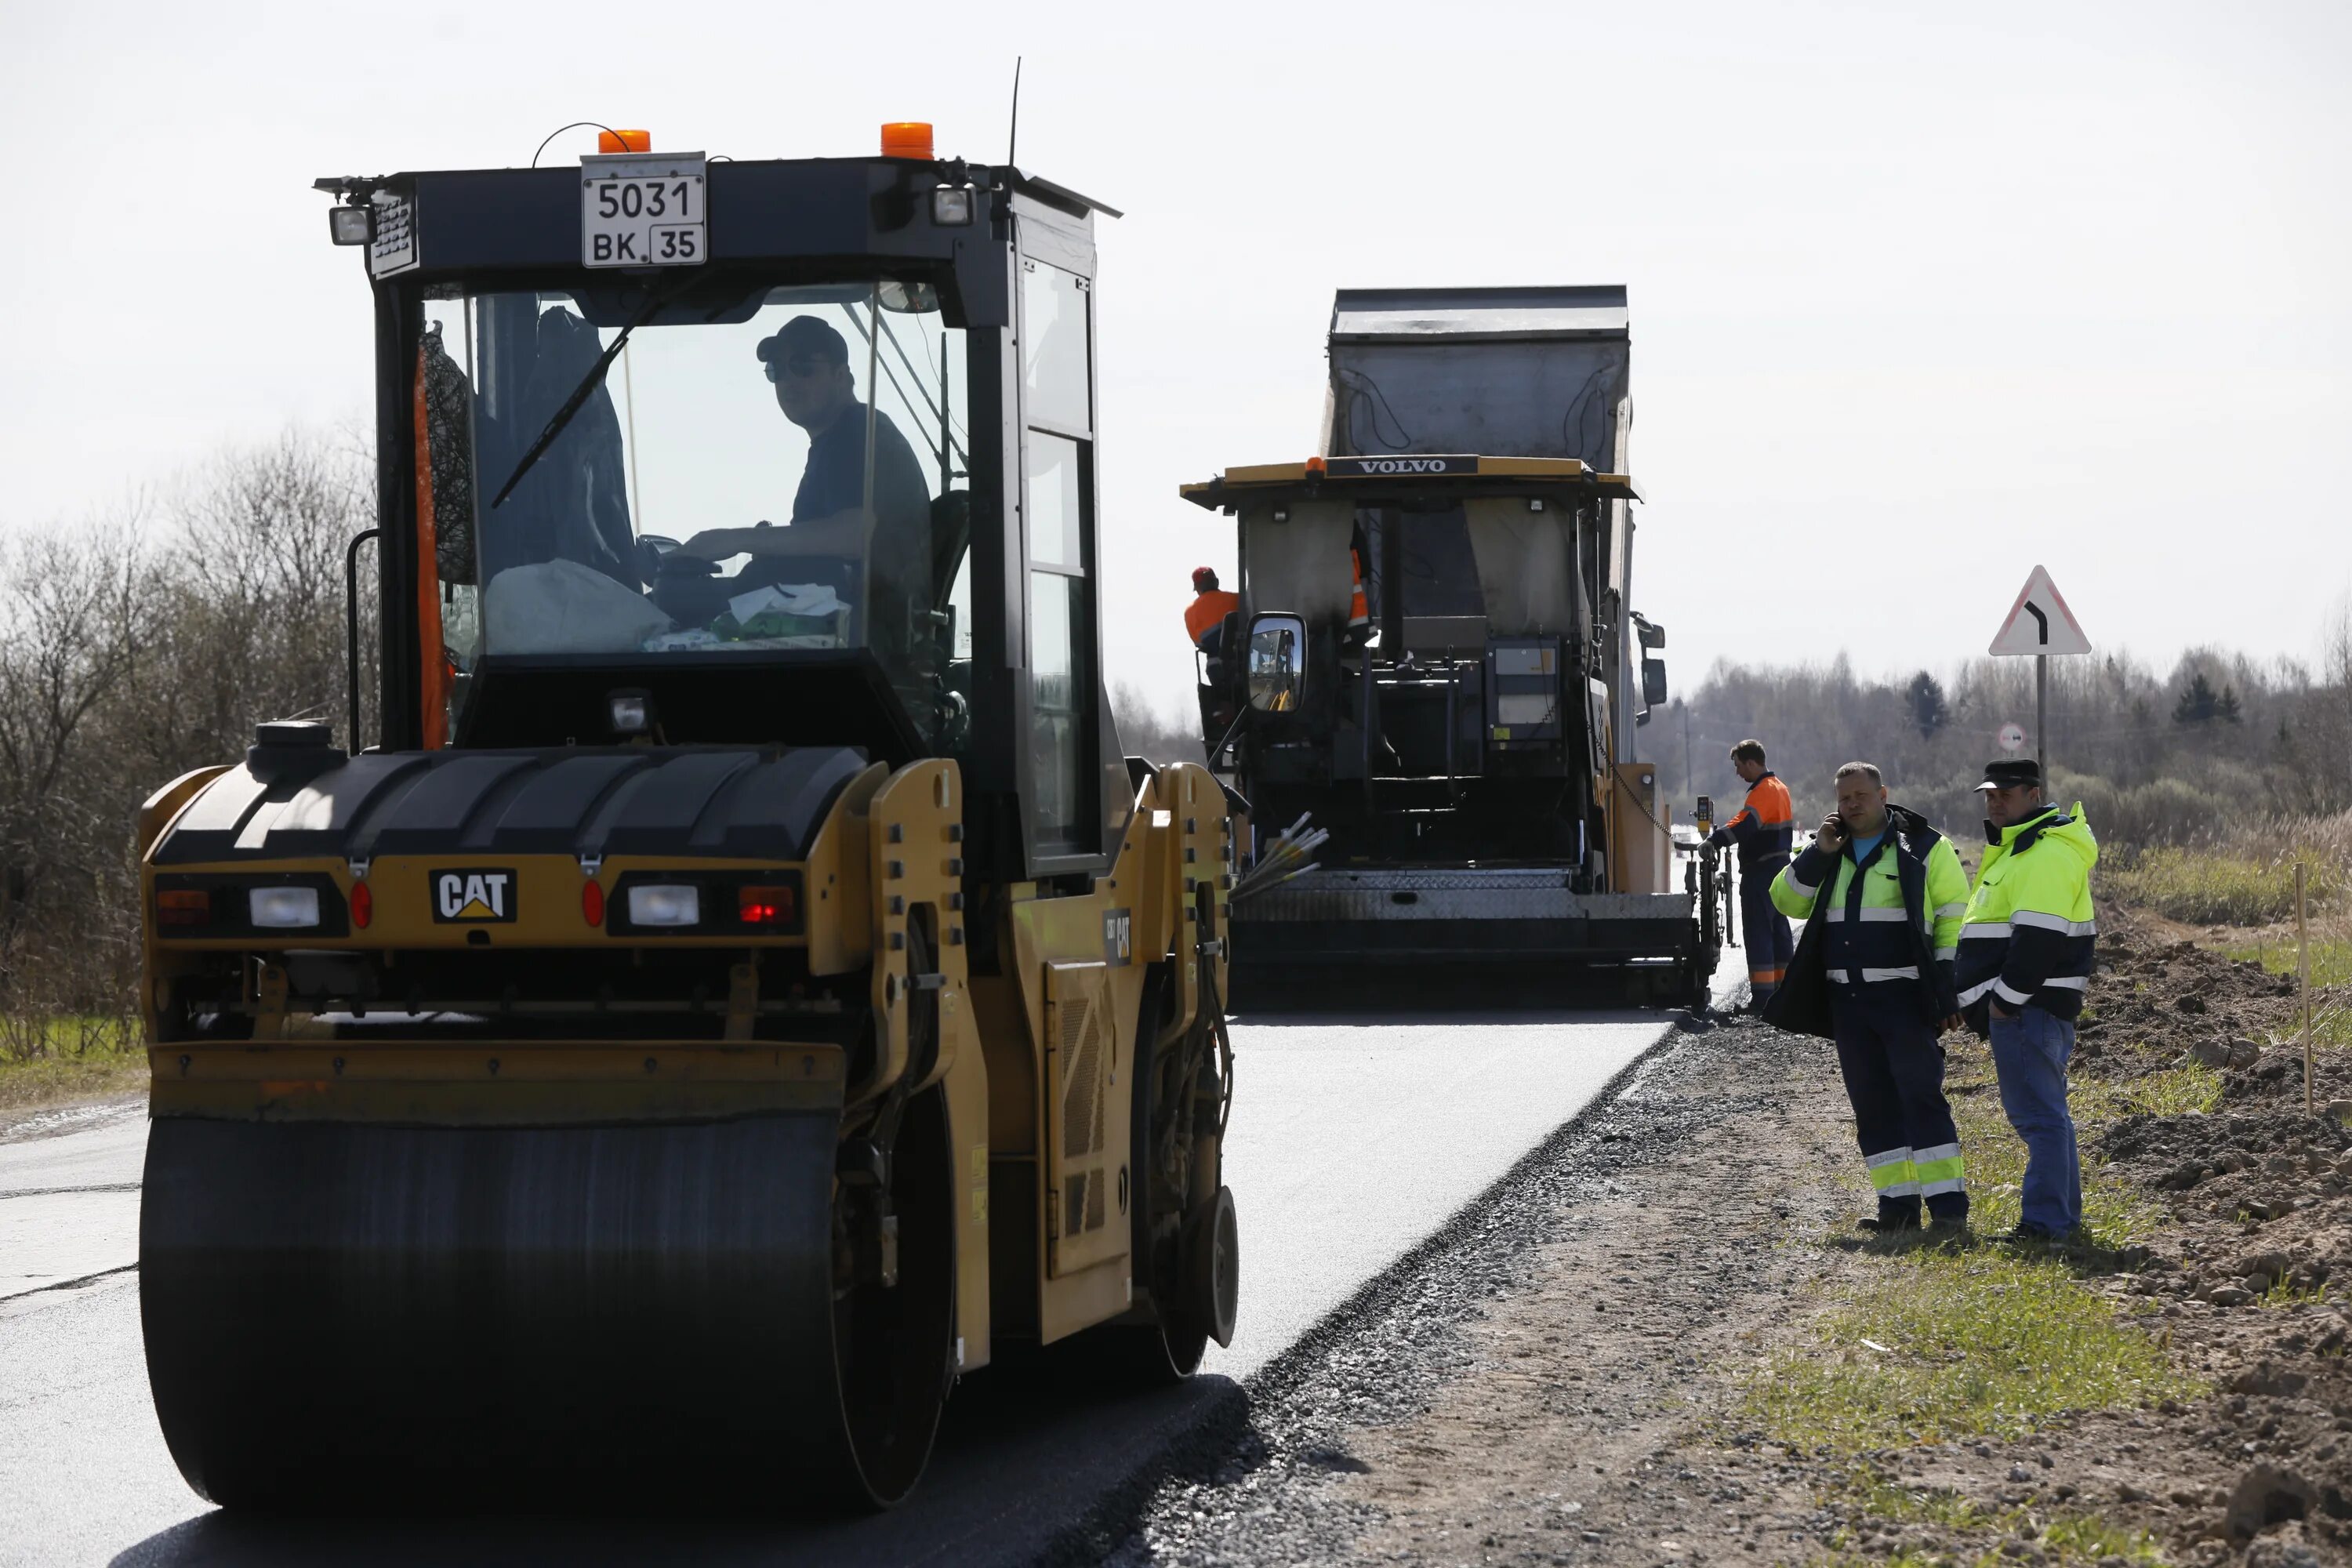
2302,985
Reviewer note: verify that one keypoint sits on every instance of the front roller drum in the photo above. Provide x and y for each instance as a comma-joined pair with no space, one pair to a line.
1211,1298
340,1313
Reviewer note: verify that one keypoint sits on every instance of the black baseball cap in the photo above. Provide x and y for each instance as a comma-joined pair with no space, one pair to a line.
2013,773
804,335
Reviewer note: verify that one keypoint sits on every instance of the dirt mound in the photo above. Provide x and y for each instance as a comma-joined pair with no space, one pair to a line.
2254,1256
2158,1002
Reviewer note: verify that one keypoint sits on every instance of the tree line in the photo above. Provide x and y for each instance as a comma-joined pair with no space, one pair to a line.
146,643
2169,756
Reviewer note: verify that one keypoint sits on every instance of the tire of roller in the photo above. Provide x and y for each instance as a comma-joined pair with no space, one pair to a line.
1170,1349
339,1314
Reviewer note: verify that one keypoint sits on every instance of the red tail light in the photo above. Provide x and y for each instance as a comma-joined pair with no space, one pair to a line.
362,905
592,903
765,906
184,907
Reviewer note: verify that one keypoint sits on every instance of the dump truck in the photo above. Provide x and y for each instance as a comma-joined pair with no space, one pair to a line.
1431,690
739,981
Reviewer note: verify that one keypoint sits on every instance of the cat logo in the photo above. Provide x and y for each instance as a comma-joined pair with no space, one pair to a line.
1119,938
473,896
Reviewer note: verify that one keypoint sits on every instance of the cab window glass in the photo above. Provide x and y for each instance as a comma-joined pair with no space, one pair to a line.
1054,349
1057,493
1052,501
1439,570
761,469
1060,704
1061,643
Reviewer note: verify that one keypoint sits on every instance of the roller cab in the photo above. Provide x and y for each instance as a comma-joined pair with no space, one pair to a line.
721,978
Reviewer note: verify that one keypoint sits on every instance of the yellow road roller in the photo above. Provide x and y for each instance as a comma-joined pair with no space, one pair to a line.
729,980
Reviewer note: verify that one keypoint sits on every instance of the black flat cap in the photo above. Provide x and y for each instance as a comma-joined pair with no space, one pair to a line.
2013,773
804,335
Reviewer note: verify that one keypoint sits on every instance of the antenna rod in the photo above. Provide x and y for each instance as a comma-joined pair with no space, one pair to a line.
1013,139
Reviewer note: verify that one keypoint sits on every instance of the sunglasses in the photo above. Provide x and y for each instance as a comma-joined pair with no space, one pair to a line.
801,366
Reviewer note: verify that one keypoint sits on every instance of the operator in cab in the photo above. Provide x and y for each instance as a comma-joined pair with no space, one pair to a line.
807,362
1204,618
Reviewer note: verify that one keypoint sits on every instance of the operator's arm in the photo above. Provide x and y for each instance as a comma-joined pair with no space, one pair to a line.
841,534
1740,828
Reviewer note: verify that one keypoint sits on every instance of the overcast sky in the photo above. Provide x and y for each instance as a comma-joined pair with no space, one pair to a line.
1921,295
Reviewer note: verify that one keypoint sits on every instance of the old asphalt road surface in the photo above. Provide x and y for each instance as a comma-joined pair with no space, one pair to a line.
1354,1138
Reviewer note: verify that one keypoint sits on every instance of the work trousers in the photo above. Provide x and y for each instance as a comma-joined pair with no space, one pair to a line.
2029,1053
1893,1064
1764,930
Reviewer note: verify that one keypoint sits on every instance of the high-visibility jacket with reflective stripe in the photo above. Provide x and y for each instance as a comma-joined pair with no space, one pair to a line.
1895,918
2030,934
1764,828
1360,614
1207,613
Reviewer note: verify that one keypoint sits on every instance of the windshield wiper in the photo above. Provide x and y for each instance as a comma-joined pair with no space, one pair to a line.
588,384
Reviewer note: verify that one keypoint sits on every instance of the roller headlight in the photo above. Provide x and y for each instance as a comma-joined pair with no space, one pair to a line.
283,907
665,904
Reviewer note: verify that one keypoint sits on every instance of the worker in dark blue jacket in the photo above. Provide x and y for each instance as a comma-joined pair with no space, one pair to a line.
1881,893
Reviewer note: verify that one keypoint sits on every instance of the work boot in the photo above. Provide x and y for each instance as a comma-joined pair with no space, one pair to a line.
1889,1219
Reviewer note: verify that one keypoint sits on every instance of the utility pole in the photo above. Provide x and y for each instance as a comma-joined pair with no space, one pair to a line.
1690,774
2042,715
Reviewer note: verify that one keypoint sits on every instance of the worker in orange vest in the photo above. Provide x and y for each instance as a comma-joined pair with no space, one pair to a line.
1204,618
1765,828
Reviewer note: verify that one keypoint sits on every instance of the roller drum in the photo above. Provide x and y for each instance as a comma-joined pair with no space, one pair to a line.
338,1312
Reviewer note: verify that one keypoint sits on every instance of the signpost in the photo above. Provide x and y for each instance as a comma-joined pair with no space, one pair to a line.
2040,623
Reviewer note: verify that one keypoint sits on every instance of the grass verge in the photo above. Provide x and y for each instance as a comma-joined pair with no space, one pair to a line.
2113,1214
1930,1346
2204,887
2067,1538
2331,965
1927,1343
68,1061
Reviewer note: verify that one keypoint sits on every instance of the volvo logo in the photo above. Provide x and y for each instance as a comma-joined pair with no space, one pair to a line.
1398,464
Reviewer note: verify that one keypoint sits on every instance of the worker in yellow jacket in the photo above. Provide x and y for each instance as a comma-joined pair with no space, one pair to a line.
2026,952
1881,893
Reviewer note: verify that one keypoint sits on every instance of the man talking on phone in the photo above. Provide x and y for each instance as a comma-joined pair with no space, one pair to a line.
2026,954
1882,893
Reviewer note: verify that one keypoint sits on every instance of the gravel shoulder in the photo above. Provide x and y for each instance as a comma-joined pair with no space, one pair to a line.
1571,1372
1528,1388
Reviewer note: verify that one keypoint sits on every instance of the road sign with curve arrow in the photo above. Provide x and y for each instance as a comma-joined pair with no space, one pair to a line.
2040,622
